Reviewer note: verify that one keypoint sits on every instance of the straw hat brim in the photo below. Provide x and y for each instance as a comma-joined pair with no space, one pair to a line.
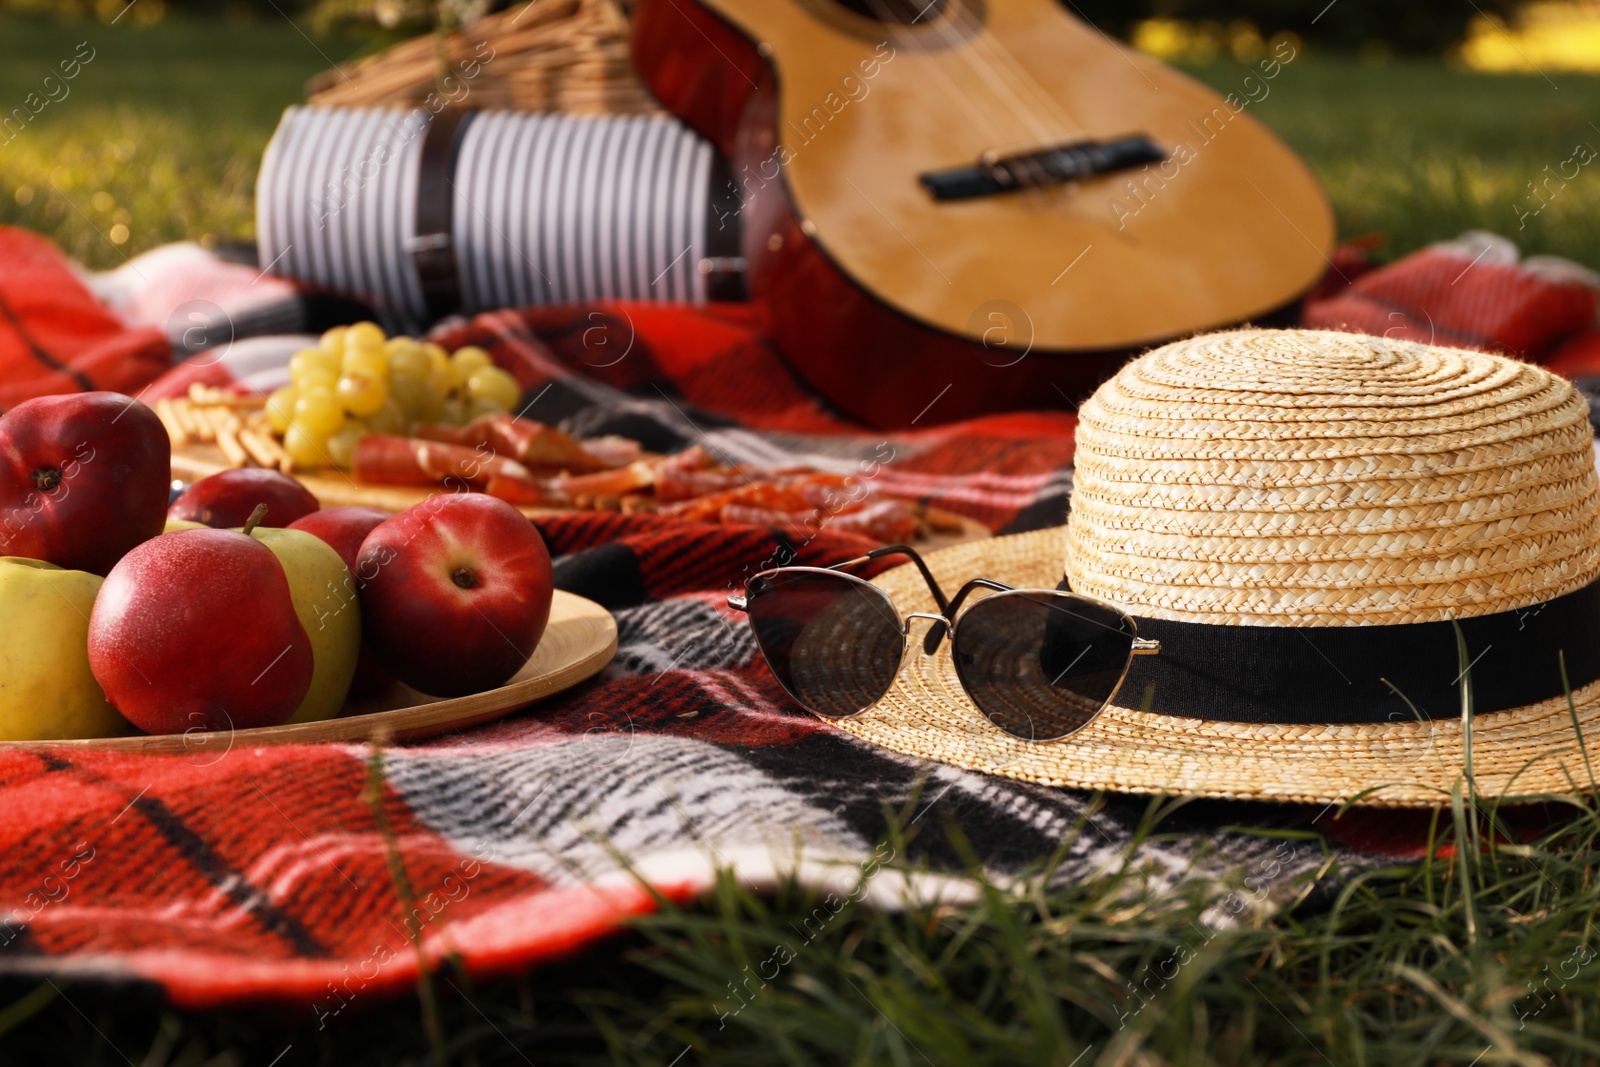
1525,752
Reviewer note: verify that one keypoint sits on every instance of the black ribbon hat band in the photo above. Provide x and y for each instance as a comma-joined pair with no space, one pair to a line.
1311,675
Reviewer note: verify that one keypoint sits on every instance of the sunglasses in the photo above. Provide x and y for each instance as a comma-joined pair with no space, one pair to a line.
1038,663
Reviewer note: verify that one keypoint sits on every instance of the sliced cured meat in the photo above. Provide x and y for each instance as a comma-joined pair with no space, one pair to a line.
693,458
688,485
530,443
612,450
384,459
673,485
526,492
893,522
888,521
630,479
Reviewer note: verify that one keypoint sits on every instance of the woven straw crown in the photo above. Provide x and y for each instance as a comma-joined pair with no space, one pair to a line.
1297,477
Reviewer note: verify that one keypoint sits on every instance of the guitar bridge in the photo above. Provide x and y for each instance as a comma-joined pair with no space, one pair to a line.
1041,169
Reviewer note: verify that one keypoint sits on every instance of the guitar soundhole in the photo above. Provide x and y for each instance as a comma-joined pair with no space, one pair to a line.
897,12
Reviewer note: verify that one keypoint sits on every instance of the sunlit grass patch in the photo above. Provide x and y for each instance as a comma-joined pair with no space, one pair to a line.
159,132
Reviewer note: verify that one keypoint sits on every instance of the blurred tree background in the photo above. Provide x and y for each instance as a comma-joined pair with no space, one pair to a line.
1414,27
1391,104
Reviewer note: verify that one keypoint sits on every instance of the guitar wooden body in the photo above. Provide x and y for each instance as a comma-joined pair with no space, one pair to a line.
896,306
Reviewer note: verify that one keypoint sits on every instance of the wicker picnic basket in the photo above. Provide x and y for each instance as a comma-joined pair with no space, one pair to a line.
547,55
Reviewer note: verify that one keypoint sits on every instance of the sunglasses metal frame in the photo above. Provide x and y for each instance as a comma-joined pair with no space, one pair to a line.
945,622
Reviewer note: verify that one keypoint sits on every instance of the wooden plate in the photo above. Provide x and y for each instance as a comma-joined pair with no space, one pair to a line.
336,490
578,642
333,489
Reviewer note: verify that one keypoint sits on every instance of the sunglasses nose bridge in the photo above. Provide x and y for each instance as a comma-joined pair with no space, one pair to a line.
936,632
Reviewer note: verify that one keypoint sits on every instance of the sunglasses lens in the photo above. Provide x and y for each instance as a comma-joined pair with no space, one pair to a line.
1041,665
834,643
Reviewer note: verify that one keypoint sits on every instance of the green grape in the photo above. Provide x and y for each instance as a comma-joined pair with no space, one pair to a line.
280,408
408,361
371,361
390,418
492,383
307,360
416,399
480,406
453,411
363,335
469,358
362,393
332,342
342,445
317,380
409,394
442,373
319,413
308,450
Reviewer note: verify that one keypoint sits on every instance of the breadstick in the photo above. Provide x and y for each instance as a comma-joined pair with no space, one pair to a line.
228,441
175,430
204,397
264,450
189,417
225,428
220,418
257,426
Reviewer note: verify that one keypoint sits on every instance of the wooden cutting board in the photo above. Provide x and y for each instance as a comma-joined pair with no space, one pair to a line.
333,488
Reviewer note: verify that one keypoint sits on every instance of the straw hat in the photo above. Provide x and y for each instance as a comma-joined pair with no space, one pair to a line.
1293,512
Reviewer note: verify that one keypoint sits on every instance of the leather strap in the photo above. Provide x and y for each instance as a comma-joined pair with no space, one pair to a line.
1355,674
724,263
432,248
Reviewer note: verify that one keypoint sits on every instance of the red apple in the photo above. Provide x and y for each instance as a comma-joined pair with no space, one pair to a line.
83,478
455,593
197,629
344,529
226,499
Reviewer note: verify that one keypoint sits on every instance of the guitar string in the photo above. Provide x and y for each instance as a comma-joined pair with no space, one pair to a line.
1034,166
990,49
983,120
1006,73
999,73
975,32
987,72
1042,134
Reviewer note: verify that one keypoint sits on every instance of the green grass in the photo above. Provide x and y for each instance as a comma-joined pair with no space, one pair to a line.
1420,151
161,132
1483,956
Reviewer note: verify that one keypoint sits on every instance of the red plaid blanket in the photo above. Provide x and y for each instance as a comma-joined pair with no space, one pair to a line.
322,876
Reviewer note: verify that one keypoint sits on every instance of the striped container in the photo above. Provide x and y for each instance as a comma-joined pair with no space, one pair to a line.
543,208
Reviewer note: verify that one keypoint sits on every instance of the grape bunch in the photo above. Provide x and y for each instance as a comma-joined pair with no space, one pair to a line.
357,381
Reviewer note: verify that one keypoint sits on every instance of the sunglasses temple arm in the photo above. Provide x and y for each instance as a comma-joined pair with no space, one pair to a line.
936,632
905,550
966,590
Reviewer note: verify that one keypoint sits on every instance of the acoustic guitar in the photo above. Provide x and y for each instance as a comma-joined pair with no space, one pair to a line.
951,207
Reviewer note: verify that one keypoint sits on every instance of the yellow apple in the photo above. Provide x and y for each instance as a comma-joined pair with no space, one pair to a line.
47,692
324,597
174,525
